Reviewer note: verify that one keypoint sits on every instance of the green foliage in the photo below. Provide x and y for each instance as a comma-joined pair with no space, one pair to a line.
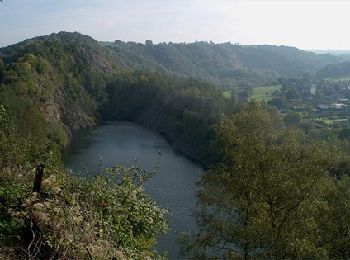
97,218
10,229
22,131
269,196
57,134
340,70
292,93
21,144
292,118
335,220
227,94
271,193
11,192
104,217
264,94
344,134
224,64
279,103
2,71
92,218
182,110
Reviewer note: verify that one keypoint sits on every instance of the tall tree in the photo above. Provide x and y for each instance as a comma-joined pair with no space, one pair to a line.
264,199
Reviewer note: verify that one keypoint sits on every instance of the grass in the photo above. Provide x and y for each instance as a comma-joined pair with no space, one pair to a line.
329,121
325,120
335,80
263,94
227,94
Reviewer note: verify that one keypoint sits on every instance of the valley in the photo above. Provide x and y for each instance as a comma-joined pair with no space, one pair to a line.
246,142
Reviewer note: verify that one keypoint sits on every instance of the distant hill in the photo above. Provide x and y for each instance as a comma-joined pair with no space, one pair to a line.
56,47
223,64
332,52
72,78
226,64
340,70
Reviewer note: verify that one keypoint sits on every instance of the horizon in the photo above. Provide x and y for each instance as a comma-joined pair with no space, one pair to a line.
321,51
307,25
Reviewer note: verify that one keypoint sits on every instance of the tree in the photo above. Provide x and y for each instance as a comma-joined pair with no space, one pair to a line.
67,217
2,71
292,93
148,43
292,118
344,134
335,220
277,102
263,200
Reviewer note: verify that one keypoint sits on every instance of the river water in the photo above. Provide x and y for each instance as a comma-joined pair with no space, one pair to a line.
173,187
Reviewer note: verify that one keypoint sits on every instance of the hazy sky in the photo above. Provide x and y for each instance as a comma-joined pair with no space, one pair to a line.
307,24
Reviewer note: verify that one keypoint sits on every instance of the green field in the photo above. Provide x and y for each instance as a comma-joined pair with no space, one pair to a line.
263,94
227,94
325,120
329,121
335,80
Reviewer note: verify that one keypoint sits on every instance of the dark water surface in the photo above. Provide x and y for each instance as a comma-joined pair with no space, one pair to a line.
128,143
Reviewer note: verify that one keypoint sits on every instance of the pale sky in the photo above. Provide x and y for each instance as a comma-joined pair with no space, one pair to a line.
306,24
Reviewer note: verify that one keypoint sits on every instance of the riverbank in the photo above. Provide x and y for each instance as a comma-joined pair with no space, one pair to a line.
173,186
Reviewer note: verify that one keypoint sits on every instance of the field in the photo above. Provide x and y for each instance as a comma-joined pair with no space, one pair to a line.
227,94
263,94
335,80
329,121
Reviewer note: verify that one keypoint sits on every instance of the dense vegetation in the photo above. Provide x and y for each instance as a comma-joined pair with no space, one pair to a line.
53,85
69,217
275,194
340,70
45,94
224,64
58,75
184,111
75,82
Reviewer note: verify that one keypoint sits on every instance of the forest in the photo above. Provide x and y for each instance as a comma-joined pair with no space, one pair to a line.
276,184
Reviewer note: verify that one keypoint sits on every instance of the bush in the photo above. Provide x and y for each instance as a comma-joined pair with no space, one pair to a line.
71,218
77,218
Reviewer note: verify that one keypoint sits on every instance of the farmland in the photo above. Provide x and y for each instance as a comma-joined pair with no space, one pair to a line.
263,94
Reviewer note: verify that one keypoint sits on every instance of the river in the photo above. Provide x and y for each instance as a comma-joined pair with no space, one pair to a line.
173,187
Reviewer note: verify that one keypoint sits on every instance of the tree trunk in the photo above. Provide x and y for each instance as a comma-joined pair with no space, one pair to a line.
38,177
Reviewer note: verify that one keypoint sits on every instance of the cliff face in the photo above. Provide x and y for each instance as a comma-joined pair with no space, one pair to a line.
63,74
70,115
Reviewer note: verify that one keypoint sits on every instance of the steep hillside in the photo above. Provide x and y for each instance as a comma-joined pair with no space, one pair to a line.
48,87
225,64
62,74
67,76
340,70
73,82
